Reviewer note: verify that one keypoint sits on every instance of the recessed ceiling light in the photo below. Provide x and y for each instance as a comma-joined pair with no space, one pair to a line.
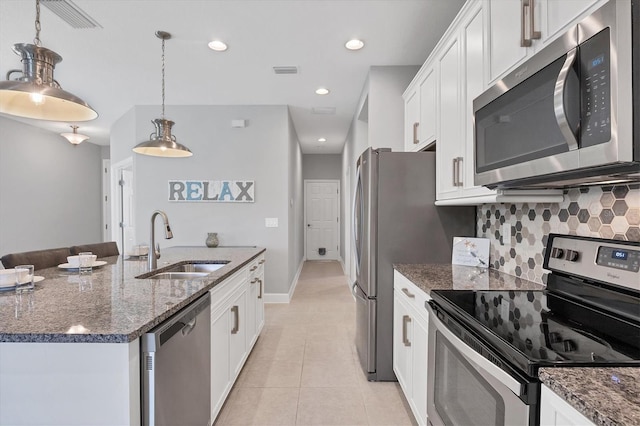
322,91
322,140
354,44
217,45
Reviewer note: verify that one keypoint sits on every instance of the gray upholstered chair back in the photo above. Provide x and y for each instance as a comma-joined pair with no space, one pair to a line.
40,259
99,249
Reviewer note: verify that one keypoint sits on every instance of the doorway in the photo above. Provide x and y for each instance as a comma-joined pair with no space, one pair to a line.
322,219
123,205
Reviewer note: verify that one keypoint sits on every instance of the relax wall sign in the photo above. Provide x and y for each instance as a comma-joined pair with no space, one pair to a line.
211,191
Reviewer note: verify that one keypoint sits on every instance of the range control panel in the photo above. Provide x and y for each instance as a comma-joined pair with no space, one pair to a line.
610,261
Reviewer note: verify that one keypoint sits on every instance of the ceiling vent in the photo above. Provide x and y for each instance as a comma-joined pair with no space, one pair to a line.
285,70
71,14
323,110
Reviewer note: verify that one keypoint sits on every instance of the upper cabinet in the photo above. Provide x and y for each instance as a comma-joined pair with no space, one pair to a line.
518,29
420,112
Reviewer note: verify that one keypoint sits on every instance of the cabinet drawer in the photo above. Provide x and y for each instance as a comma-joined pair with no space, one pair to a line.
410,293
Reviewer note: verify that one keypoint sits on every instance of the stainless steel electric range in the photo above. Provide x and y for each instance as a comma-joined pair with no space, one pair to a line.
485,347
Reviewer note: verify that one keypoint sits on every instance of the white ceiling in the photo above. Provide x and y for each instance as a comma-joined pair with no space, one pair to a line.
118,66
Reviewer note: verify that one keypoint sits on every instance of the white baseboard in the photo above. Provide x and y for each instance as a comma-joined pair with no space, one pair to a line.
285,297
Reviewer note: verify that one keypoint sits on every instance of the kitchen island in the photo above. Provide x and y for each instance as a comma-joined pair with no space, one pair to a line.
69,351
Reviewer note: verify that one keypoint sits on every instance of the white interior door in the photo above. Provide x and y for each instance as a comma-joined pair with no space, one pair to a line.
123,205
106,200
322,219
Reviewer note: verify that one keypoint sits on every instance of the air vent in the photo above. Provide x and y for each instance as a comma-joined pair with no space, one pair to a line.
71,14
149,364
285,70
323,110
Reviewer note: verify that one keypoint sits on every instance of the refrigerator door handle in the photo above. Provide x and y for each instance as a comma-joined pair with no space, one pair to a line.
355,220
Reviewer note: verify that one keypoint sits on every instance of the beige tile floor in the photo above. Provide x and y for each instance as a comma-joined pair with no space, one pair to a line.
304,368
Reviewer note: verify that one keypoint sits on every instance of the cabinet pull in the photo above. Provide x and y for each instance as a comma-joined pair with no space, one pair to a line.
405,320
253,268
459,173
261,262
236,314
455,173
260,293
415,133
405,291
524,41
533,34
253,281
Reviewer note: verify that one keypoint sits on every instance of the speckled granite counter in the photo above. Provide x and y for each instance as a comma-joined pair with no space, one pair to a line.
455,277
606,396
111,305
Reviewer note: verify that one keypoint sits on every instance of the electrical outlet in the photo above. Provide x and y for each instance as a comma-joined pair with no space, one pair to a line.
506,233
271,222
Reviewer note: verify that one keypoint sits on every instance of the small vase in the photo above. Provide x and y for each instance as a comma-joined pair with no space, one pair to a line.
212,239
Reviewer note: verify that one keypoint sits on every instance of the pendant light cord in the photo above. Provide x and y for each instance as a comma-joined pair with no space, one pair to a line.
163,78
36,40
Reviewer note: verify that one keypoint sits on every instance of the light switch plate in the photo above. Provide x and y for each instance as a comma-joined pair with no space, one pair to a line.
271,222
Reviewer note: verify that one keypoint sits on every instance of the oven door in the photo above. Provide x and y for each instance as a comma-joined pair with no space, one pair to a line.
465,388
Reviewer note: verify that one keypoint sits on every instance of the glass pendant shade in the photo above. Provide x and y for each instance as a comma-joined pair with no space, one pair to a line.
162,143
74,138
36,94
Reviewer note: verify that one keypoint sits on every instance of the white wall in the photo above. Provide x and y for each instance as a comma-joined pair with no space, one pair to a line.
260,152
50,190
322,166
296,203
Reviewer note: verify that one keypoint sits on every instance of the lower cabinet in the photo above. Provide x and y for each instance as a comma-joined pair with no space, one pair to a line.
237,318
410,339
555,411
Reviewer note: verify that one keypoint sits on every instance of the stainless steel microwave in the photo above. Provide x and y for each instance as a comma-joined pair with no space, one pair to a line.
569,115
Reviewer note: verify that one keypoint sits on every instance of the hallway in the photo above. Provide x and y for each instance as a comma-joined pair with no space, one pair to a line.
304,369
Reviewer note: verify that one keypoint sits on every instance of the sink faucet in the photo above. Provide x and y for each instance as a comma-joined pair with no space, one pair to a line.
155,251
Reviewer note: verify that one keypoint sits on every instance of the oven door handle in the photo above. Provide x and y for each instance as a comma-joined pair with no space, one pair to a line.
475,358
558,101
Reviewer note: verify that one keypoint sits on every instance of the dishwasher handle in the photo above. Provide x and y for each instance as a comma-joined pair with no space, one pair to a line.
184,321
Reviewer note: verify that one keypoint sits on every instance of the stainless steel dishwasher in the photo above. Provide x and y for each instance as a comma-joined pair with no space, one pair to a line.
176,368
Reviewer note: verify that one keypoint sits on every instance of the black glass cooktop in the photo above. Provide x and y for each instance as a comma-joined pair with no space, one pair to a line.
530,329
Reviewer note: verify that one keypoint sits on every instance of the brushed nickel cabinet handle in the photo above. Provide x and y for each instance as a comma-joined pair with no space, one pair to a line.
236,313
253,281
455,171
260,293
533,34
406,319
405,291
459,173
415,133
261,262
253,268
524,41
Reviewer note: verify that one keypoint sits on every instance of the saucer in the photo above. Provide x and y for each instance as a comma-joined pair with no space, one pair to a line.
12,286
68,266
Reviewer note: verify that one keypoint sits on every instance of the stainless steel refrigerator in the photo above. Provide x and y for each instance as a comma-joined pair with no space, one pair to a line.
395,220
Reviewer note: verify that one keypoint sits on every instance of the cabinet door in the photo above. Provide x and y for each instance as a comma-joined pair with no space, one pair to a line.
450,140
252,309
238,333
419,342
554,411
402,338
220,377
411,117
260,304
428,113
504,36
557,16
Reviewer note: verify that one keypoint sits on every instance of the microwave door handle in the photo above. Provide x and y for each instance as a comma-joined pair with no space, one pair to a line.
558,101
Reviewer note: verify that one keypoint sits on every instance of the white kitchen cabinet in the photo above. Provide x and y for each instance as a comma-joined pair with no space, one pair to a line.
410,338
510,21
554,411
421,113
237,317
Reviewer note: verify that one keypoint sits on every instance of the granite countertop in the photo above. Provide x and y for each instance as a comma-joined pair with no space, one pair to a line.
606,396
457,277
111,305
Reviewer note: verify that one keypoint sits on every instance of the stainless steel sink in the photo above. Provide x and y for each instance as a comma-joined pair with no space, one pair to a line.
186,271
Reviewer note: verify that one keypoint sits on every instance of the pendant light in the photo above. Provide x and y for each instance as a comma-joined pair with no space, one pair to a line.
74,138
162,143
36,94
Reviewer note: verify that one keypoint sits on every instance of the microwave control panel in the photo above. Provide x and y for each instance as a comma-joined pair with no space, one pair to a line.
595,78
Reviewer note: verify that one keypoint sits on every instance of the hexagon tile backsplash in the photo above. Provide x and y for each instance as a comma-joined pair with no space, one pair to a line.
605,212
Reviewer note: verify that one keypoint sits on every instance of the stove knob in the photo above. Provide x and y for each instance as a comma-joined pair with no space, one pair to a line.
572,256
569,346
557,253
